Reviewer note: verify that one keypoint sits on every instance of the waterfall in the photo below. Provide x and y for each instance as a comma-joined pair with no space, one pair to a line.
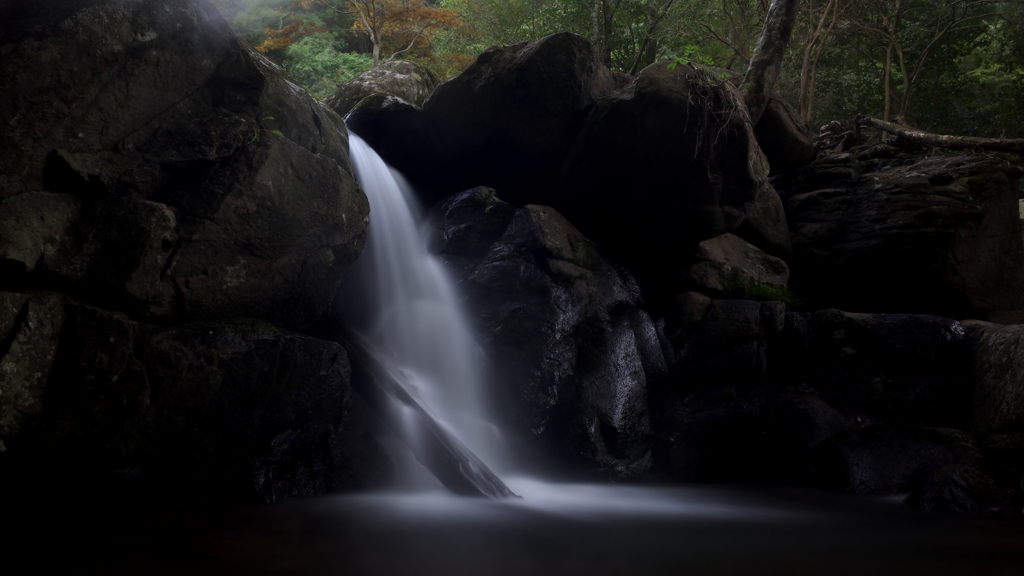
402,302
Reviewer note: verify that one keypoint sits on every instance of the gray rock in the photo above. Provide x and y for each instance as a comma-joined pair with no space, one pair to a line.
765,224
410,82
727,262
31,327
36,228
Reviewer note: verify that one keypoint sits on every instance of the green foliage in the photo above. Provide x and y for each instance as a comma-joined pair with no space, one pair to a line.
738,288
320,67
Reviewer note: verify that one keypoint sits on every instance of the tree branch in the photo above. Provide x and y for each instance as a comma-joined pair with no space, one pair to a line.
943,141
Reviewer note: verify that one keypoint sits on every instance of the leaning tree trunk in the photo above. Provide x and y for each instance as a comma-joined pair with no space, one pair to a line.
763,72
943,141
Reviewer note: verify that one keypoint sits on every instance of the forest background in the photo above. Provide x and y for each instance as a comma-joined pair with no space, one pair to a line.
946,66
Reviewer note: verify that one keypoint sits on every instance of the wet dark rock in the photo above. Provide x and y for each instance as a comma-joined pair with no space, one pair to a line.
156,164
729,345
889,459
898,368
573,355
688,309
728,262
799,421
998,369
239,410
516,106
652,159
1004,460
936,235
958,488
410,82
710,436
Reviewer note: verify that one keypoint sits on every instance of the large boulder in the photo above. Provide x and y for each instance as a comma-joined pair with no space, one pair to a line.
728,346
505,122
765,225
998,377
154,163
573,355
897,368
727,262
784,136
412,83
889,459
662,164
936,235
710,436
239,410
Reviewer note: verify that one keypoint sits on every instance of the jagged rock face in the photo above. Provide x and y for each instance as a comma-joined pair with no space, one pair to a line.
572,353
410,82
241,410
175,171
936,235
506,122
655,159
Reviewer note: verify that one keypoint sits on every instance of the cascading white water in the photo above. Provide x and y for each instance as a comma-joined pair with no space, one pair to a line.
403,302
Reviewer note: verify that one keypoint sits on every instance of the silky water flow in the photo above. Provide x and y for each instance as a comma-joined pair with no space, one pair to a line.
402,302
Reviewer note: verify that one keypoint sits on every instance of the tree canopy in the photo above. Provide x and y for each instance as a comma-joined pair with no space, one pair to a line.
947,66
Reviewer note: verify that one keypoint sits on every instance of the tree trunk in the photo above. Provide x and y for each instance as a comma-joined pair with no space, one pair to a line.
887,81
763,72
816,40
443,454
943,141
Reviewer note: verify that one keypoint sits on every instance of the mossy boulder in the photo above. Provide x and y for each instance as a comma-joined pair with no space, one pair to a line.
411,82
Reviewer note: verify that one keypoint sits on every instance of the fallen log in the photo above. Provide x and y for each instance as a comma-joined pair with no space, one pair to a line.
943,141
459,469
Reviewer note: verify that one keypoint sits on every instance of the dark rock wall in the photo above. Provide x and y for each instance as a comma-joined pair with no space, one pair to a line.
879,233
572,353
154,172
